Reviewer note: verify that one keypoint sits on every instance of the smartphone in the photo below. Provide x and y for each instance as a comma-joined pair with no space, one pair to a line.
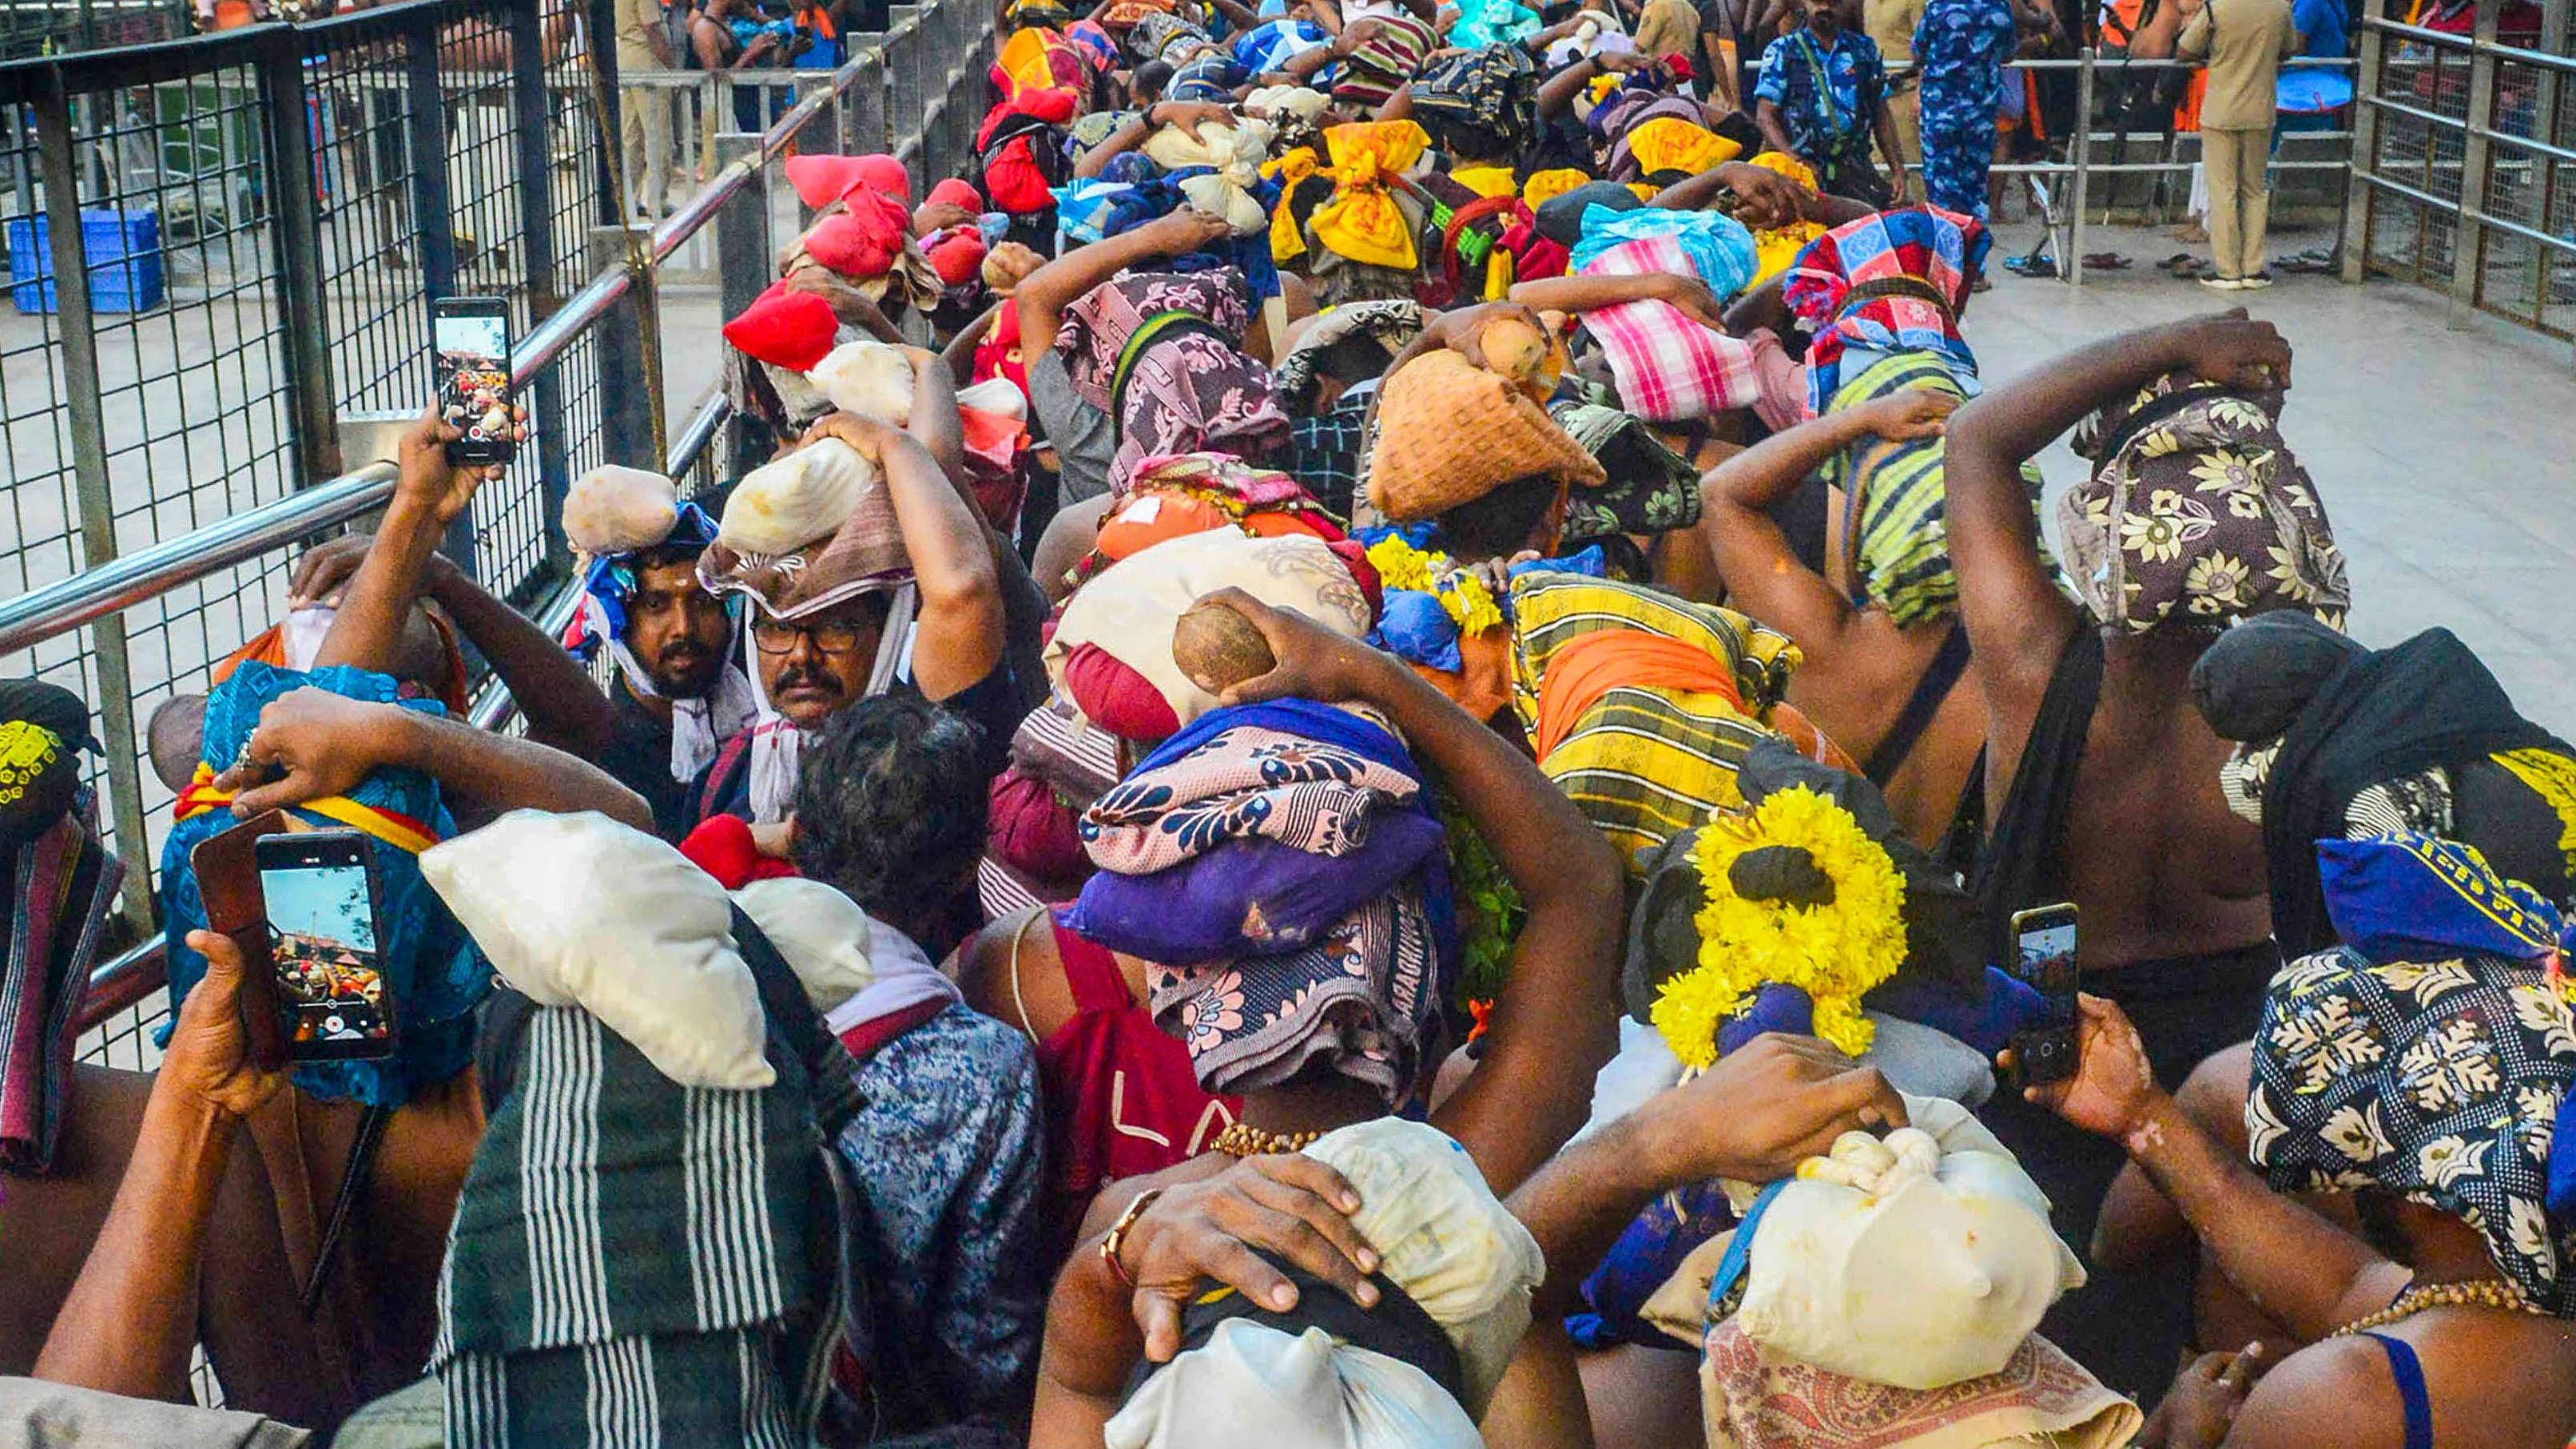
326,973
471,336
2044,958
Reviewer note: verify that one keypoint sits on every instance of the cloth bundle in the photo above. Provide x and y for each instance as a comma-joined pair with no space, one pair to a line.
1186,493
1281,864
1385,58
1918,1260
1456,1266
1893,281
1060,763
1112,649
2197,513
1161,353
1645,726
1896,537
1670,368
1649,488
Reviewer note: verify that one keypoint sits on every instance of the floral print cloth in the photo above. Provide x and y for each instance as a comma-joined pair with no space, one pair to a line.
2197,513
1160,352
1248,776
1366,995
2439,1078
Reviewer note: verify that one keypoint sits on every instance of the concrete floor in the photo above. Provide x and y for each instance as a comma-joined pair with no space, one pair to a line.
2446,459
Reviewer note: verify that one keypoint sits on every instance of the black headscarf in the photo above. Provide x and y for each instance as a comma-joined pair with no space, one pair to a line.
2253,682
43,729
2429,703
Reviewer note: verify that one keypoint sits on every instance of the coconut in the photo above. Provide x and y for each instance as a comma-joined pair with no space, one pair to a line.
1219,648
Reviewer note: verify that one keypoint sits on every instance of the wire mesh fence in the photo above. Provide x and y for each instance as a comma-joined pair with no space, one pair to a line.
2464,182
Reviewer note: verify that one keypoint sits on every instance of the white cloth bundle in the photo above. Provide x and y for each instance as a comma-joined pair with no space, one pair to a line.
1252,1384
1236,151
614,509
1920,1260
869,378
1443,1237
782,506
578,910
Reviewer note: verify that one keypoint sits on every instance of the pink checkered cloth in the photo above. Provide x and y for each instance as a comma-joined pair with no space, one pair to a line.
1671,369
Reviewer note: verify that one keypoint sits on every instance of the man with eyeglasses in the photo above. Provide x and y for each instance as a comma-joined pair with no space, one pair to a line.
905,593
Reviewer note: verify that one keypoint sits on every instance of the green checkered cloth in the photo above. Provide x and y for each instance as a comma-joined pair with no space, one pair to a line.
630,1262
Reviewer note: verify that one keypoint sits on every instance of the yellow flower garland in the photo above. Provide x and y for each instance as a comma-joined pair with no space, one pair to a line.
1400,565
1835,953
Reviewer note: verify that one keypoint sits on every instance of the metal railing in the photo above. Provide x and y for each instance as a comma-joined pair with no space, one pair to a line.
2464,168
2085,183
580,361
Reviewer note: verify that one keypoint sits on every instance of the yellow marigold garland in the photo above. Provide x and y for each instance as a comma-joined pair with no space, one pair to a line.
1835,953
1464,596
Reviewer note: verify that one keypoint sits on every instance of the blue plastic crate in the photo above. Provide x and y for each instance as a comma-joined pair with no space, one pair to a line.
123,249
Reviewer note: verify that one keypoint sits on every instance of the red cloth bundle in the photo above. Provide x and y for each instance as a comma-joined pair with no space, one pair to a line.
784,328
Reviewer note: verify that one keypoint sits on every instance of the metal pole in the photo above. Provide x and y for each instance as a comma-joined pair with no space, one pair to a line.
433,221
296,224
2359,194
626,407
865,111
2469,239
602,46
88,438
2083,190
533,112
744,260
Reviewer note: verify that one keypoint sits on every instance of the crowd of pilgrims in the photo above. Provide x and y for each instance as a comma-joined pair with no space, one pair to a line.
1387,806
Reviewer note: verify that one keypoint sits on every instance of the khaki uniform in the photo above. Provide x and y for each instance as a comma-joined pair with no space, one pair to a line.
645,150
2244,43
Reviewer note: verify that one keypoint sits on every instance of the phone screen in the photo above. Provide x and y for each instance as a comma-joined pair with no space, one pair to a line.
323,948
472,339
2045,947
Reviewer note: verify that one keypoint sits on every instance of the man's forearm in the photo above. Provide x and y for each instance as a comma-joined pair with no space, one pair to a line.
507,773
1090,1347
1771,470
367,630
1578,1204
562,704
131,1317
2293,1264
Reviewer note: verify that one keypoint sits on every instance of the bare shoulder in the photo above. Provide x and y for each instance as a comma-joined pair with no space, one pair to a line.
1009,964
2335,1394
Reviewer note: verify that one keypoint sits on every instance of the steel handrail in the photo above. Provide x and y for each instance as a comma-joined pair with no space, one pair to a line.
57,608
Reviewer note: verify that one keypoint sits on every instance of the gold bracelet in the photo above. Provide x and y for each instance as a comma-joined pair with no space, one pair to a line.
1115,1241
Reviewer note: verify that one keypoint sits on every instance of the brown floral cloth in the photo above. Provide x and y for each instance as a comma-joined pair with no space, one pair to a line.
2197,513
1160,352
1651,488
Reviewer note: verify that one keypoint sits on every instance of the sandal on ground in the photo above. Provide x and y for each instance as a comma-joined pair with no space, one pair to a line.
2106,261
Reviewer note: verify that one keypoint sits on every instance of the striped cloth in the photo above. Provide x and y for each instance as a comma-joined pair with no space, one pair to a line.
630,1261
1896,536
1669,368
60,886
1643,761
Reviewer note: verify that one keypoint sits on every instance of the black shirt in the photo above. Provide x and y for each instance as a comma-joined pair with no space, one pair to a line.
638,756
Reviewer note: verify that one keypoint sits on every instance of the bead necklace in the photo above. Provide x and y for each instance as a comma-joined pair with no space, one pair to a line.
2477,1293
1238,1140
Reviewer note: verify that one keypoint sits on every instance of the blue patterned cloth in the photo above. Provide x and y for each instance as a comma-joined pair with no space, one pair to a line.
1828,95
1961,46
1719,247
1266,48
1210,75
433,972
2407,896
948,1152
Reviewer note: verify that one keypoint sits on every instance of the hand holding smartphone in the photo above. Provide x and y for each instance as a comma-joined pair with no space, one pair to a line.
471,339
2044,960
303,907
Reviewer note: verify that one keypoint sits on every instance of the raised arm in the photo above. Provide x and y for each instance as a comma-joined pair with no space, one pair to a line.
2010,606
429,494
1045,293
325,744
1763,574
957,637
1591,293
131,1316
1765,197
959,354
2306,1273
1555,1021
561,703
1762,1109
